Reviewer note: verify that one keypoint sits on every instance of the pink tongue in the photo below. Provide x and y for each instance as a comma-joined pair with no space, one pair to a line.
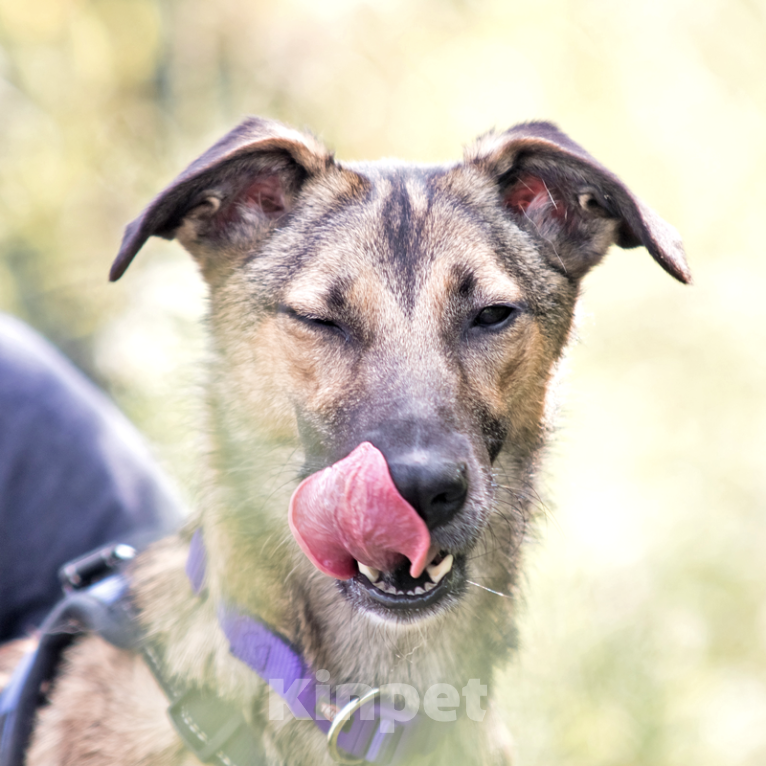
352,512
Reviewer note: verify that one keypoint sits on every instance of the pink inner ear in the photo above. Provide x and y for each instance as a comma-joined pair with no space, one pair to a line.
265,192
531,196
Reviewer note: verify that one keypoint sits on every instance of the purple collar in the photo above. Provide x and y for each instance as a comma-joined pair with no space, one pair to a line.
367,729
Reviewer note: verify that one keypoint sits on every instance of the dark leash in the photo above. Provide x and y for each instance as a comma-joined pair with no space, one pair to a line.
92,604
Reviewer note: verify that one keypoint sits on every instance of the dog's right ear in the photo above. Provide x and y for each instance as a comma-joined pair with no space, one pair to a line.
236,191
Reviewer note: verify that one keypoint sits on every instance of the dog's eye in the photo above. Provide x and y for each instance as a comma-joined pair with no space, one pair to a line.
320,322
314,320
495,317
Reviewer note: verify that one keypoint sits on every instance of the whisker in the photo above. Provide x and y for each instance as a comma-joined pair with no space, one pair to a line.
484,587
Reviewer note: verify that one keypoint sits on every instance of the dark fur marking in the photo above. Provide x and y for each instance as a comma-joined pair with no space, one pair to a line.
402,239
403,231
466,280
336,296
494,432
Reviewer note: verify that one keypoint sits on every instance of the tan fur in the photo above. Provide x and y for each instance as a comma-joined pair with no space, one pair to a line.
108,709
346,302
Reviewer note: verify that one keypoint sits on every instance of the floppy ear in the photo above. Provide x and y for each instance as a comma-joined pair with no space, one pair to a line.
553,187
232,194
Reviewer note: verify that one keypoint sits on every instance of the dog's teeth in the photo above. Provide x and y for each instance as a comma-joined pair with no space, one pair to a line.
433,552
437,571
369,572
419,590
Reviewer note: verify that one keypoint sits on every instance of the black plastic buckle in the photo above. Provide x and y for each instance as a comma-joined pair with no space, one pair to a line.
95,566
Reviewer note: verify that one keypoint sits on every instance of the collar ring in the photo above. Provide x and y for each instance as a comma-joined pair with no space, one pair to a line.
339,722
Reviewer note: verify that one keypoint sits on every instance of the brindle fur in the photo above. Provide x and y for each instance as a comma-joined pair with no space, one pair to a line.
343,300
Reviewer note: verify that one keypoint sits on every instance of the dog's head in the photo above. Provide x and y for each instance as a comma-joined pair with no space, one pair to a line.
400,325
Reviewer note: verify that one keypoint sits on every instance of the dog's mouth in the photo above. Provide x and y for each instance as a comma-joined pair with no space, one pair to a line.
399,590
352,524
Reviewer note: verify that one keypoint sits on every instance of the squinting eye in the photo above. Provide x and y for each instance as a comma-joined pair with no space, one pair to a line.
495,317
324,325
313,320
319,322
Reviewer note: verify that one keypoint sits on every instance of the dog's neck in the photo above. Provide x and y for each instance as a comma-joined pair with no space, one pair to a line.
374,734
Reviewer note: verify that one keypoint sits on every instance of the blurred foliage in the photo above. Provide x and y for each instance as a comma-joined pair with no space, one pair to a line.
644,627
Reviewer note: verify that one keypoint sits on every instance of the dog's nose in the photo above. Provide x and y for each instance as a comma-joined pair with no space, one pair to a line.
435,488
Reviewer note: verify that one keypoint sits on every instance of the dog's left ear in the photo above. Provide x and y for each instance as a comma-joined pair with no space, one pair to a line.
237,191
553,187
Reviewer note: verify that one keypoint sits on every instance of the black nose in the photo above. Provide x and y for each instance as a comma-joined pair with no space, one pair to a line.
434,487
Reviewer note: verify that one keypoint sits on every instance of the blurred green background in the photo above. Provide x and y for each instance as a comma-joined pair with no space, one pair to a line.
643,625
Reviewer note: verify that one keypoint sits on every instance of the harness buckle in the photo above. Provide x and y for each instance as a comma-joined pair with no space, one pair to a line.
94,566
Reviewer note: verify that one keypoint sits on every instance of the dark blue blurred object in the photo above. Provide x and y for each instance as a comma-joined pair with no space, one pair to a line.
74,476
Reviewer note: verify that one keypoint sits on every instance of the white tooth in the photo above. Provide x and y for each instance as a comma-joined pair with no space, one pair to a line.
419,590
387,588
437,571
429,586
380,585
370,573
433,552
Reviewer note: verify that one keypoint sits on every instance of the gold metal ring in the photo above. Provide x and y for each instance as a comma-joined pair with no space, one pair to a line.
339,722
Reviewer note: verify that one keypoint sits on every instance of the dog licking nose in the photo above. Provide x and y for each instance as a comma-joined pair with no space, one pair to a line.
351,513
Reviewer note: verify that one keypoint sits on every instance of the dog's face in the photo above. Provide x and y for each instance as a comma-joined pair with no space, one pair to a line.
420,310
406,325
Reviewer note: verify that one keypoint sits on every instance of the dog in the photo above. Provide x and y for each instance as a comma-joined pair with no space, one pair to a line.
384,339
